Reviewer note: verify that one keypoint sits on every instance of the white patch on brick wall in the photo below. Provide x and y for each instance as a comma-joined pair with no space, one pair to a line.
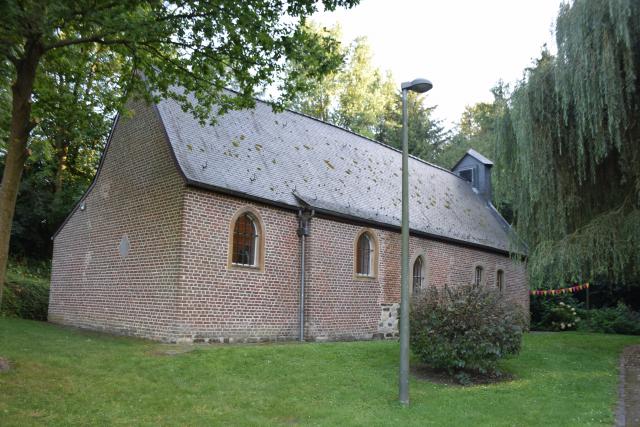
86,264
125,246
104,189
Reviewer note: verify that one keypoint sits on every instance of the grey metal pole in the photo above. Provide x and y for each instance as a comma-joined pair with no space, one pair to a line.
404,280
302,268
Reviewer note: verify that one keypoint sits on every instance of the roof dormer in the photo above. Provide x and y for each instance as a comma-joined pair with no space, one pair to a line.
476,169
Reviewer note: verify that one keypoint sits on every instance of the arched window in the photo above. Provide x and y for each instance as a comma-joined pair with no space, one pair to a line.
418,275
478,275
364,255
500,280
245,241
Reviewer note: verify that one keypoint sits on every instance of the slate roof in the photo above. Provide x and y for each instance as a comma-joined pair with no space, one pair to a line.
290,159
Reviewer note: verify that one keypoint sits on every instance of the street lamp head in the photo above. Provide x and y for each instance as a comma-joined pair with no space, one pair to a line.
418,85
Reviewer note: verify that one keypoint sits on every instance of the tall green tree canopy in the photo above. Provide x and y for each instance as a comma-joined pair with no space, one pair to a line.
202,46
477,130
362,98
569,140
74,110
427,135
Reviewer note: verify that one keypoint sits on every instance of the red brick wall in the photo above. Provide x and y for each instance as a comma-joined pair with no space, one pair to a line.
138,193
217,302
341,306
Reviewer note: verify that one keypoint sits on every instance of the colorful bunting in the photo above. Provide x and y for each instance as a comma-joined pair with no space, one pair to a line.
572,289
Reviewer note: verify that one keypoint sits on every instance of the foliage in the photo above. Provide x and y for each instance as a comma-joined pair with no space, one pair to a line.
200,46
27,292
604,294
65,58
466,328
558,316
568,138
364,93
5,107
318,97
39,209
612,320
476,129
68,375
74,111
366,100
427,135
540,308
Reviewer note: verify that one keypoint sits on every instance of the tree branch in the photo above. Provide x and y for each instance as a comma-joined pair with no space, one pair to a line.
93,39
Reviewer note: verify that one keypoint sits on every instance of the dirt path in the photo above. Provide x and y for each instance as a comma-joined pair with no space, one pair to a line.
628,412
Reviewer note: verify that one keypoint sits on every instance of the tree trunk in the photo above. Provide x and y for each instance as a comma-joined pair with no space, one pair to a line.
62,149
21,90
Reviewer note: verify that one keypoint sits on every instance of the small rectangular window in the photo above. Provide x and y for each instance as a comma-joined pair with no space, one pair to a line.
466,174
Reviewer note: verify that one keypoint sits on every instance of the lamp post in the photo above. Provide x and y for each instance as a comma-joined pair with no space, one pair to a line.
419,86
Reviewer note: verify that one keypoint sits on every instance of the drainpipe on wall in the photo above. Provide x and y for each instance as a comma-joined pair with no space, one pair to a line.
304,217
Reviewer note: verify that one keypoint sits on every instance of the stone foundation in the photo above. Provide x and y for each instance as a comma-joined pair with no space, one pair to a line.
388,324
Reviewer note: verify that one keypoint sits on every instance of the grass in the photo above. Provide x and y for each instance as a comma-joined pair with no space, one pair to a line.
69,377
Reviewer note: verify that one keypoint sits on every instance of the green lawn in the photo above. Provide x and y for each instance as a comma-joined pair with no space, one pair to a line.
67,377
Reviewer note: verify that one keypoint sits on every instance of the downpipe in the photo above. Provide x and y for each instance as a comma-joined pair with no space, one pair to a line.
304,217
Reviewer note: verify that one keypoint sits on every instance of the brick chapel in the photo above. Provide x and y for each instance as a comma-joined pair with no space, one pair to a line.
267,226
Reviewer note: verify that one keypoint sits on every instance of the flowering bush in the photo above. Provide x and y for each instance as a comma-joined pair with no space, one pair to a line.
562,317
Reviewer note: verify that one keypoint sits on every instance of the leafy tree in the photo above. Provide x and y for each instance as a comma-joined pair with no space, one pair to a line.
363,93
476,129
569,140
361,98
77,98
427,135
76,102
317,96
199,46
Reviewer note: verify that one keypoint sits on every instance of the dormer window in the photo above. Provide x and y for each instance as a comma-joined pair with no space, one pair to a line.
467,175
474,168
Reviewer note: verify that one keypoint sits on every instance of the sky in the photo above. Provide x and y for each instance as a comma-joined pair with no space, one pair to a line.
463,46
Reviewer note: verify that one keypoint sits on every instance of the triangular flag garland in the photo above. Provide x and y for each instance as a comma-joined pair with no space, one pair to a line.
572,289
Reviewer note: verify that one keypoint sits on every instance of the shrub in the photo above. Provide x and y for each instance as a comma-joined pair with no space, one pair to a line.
465,330
560,317
616,320
25,294
544,310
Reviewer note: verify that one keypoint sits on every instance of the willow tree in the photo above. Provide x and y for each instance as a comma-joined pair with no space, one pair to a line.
202,46
570,140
